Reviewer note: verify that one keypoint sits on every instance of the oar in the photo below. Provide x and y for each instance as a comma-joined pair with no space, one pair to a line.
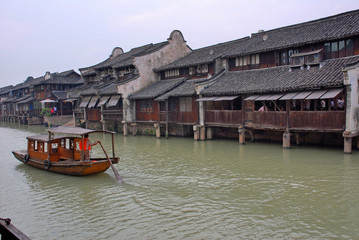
118,177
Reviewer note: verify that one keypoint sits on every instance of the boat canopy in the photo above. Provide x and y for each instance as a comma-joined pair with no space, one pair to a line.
74,130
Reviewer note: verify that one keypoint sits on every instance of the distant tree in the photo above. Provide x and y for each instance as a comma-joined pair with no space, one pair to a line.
46,112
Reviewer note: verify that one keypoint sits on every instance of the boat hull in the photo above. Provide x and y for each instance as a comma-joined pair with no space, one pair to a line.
68,167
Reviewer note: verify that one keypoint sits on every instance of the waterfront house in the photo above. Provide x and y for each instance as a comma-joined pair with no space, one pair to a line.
50,91
28,98
254,62
5,93
129,72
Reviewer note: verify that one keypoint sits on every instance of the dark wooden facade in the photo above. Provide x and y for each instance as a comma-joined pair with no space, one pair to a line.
176,113
147,110
299,120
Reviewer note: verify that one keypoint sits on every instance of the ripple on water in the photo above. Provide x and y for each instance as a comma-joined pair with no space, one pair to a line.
181,189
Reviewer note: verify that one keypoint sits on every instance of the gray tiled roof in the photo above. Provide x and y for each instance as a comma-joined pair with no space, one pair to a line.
187,88
6,90
324,29
202,55
68,77
61,95
157,89
280,79
124,59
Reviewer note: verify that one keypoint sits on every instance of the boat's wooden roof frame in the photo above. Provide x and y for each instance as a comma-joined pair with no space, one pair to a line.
75,130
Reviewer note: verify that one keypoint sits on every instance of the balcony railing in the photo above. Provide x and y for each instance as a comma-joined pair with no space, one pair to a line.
225,117
113,114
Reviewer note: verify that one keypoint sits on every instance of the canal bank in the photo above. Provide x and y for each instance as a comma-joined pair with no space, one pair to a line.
183,189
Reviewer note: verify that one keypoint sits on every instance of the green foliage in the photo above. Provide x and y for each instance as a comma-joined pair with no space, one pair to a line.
46,112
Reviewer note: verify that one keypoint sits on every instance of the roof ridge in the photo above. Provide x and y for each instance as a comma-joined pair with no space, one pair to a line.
310,22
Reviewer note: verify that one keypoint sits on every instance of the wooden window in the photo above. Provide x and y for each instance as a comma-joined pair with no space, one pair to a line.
349,47
253,59
67,143
341,45
257,58
172,73
334,47
54,147
162,106
172,105
186,104
41,147
327,48
45,147
145,106
284,58
35,146
237,62
205,68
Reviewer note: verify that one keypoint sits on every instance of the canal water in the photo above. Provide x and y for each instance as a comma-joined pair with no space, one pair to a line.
178,188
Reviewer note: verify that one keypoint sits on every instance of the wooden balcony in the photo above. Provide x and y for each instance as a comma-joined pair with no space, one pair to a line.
112,114
297,120
321,120
179,117
224,117
266,119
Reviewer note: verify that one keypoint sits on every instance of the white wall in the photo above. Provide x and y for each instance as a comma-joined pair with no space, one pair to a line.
351,77
177,48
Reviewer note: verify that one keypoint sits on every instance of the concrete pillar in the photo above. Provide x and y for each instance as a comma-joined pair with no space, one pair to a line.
195,132
286,139
242,135
348,144
209,133
157,129
125,129
134,129
103,122
202,133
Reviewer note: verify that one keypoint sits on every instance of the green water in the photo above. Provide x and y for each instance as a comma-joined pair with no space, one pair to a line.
178,188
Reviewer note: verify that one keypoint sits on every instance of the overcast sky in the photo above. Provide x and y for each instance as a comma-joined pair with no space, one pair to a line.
59,35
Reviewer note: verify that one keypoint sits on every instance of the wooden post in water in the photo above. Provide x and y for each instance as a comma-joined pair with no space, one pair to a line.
242,135
286,139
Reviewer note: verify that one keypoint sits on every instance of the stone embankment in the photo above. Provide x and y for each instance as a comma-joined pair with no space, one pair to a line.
66,120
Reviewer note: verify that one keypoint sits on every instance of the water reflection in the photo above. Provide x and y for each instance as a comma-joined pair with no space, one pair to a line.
182,189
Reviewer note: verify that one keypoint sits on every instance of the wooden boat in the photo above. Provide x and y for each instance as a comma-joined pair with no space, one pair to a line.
9,231
67,153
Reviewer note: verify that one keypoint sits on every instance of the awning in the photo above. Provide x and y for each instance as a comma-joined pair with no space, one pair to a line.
22,98
251,98
302,95
289,96
316,94
332,93
226,98
93,102
113,101
71,100
206,99
27,100
48,101
85,102
103,101
263,97
275,97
